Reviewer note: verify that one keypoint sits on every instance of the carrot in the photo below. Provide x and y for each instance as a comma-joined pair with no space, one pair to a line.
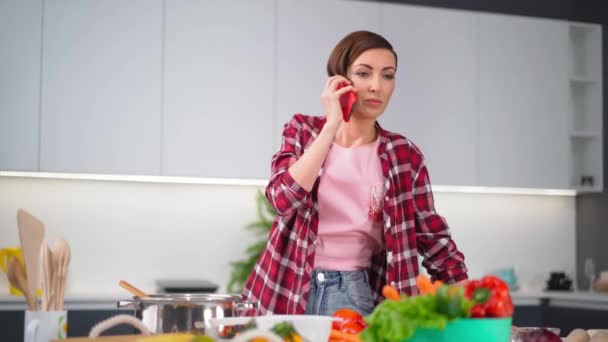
294,338
390,292
424,285
437,284
342,336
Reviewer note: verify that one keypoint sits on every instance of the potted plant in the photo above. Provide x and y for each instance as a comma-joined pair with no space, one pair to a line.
261,228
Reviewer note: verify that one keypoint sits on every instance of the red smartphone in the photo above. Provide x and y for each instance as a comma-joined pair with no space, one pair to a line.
347,101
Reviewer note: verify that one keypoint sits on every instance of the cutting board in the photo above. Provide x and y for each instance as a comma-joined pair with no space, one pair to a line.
31,233
120,338
124,338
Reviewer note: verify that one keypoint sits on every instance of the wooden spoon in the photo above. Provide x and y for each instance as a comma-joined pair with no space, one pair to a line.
61,256
47,275
134,290
64,263
16,277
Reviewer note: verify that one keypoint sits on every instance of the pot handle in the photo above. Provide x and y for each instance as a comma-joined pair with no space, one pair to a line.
125,304
117,320
246,305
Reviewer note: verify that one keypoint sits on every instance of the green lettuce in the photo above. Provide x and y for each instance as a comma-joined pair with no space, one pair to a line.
397,321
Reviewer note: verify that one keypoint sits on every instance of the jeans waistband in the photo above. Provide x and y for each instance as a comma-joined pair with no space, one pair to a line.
330,277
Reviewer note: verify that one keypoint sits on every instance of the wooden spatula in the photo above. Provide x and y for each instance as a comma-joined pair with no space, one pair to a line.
17,278
134,290
31,233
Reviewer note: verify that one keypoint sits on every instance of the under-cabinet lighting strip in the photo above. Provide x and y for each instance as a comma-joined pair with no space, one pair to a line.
262,182
137,178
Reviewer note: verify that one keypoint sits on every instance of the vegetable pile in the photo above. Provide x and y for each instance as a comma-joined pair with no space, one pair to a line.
398,317
284,330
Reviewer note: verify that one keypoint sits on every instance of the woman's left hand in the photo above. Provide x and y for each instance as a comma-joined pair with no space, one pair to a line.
462,282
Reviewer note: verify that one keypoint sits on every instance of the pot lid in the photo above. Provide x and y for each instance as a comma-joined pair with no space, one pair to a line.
190,297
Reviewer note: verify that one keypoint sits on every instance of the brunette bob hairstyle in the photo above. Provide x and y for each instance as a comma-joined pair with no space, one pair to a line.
351,47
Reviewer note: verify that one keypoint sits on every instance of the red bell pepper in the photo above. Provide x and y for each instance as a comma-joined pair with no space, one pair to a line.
490,296
352,322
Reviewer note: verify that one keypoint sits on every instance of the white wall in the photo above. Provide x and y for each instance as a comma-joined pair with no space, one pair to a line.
142,231
536,234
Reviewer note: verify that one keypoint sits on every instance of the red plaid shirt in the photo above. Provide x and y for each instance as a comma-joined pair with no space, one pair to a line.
281,278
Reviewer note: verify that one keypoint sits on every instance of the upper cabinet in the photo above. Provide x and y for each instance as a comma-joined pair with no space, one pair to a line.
101,87
307,31
523,102
219,88
434,102
203,88
20,48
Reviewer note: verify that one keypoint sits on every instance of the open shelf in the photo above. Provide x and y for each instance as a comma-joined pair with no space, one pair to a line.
586,141
583,27
584,135
581,80
587,189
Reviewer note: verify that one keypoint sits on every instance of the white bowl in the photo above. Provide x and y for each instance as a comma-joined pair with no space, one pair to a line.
218,324
230,321
311,327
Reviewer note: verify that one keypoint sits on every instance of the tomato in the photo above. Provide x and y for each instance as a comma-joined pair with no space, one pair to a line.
352,322
478,311
491,297
499,287
471,287
499,307
353,327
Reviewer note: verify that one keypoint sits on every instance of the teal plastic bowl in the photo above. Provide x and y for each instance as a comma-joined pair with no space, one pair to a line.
469,330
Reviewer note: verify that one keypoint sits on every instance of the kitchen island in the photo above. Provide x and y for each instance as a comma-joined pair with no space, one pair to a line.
562,309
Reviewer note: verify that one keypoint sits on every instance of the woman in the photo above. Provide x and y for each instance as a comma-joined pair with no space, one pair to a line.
354,203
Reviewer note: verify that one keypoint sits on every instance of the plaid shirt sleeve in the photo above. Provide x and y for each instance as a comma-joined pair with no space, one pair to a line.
442,259
283,192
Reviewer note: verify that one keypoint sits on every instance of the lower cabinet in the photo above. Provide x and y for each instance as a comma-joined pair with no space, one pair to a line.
568,319
564,318
528,316
80,323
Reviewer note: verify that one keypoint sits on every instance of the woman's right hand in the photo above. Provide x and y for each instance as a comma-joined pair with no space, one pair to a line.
305,170
330,98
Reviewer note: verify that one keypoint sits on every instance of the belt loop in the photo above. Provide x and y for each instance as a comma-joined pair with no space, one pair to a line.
342,282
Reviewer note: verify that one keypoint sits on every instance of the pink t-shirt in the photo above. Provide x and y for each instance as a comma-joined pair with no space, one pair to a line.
350,196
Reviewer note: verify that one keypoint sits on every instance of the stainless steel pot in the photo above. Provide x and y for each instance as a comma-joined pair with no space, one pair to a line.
179,312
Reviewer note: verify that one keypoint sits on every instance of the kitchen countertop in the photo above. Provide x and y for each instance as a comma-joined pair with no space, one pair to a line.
566,299
82,301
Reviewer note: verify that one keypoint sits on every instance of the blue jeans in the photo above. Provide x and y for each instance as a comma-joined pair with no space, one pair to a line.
333,290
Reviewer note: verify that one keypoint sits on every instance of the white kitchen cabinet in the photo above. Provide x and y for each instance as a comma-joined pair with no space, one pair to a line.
586,109
219,83
20,48
434,102
101,87
523,102
307,31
